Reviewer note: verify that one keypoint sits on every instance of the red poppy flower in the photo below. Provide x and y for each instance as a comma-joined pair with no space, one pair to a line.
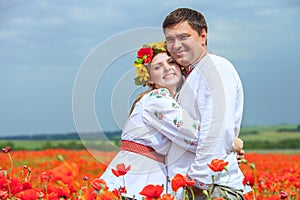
3,180
181,181
15,186
121,170
152,191
6,149
145,53
123,190
283,195
3,194
217,165
30,194
167,197
64,173
27,185
99,184
45,176
248,179
116,192
120,191
108,195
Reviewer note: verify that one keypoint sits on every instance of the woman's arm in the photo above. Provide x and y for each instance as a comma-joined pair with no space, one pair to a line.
164,114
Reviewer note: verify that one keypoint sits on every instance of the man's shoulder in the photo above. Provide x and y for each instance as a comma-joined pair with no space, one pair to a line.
217,59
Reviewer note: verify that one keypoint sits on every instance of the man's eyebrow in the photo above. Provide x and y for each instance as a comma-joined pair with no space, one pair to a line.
183,34
177,35
169,37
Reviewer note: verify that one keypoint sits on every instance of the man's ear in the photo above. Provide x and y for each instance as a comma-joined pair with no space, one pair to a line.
203,37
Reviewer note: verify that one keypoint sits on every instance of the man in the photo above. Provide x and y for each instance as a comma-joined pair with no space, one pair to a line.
213,94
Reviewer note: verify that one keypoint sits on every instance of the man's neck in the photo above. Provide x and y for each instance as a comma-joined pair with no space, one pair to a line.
190,67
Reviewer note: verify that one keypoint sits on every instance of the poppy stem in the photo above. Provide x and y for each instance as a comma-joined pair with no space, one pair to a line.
11,165
192,192
123,181
8,184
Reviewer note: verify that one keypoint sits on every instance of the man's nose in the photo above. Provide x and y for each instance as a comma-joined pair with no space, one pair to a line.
176,44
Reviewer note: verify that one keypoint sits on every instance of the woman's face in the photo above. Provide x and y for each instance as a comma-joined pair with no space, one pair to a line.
164,72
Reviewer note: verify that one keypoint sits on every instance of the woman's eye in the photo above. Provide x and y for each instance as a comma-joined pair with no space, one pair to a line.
157,67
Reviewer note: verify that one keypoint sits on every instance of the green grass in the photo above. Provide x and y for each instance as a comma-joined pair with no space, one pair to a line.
255,137
64,144
270,133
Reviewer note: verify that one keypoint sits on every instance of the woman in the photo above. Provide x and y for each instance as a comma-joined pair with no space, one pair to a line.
155,120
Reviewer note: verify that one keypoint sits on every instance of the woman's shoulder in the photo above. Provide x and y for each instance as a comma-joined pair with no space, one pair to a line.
159,93
162,94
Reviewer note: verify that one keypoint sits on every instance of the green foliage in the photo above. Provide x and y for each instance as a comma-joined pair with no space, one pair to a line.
282,144
281,136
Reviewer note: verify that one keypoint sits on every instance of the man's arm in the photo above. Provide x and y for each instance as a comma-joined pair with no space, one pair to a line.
216,100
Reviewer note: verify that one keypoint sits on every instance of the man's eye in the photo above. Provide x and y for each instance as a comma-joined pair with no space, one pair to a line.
170,40
183,37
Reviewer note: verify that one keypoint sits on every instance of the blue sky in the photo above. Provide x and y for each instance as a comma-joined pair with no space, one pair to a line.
44,44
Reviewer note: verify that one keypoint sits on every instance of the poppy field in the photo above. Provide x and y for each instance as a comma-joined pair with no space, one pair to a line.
69,174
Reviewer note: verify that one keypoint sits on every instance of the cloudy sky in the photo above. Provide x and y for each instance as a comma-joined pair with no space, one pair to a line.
44,45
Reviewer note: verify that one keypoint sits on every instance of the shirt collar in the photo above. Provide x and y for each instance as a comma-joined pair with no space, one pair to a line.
193,65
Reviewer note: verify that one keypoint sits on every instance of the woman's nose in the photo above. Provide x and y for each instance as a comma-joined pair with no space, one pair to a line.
167,67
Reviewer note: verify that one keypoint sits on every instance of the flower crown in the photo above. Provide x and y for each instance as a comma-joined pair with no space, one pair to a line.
144,57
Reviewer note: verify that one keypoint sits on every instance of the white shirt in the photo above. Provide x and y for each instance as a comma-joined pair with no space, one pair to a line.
213,94
156,119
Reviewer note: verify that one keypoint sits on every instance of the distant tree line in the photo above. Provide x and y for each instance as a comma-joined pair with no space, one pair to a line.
297,129
282,144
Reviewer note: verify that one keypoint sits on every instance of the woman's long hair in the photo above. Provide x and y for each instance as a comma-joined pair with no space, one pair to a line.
151,87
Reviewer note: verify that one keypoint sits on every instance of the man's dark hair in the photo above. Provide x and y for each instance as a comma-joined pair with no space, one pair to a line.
195,19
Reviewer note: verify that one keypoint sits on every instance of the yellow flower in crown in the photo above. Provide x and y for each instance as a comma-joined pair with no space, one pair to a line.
144,57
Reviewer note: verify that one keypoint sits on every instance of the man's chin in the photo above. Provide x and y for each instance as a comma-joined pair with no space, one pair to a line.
183,62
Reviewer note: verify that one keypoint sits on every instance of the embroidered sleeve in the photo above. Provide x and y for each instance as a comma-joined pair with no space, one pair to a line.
163,113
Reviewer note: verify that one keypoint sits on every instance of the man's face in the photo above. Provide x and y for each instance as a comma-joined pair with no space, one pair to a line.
185,44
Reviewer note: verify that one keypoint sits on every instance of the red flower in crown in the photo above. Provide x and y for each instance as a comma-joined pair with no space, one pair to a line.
121,170
218,165
145,53
152,191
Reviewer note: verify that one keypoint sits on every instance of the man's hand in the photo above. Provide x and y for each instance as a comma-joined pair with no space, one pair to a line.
237,144
240,156
238,147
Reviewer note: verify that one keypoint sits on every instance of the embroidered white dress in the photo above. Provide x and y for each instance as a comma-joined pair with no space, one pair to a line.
156,120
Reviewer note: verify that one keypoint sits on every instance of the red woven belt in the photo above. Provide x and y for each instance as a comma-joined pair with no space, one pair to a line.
142,149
